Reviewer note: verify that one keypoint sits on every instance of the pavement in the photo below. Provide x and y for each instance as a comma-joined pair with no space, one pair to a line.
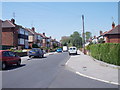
86,66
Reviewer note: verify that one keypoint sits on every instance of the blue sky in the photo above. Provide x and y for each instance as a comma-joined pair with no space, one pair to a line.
58,19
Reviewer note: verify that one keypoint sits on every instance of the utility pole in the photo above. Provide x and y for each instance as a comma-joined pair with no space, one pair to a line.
83,35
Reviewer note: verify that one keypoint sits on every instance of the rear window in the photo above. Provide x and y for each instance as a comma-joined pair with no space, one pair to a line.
74,48
70,48
35,50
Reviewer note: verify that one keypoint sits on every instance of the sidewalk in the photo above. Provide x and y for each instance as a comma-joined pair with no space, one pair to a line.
84,65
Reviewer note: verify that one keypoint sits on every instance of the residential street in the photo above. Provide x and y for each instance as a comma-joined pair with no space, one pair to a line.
48,72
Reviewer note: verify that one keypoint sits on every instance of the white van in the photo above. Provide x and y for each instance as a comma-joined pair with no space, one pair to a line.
72,50
65,48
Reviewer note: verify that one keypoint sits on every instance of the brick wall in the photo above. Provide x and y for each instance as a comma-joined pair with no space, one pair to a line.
7,36
113,39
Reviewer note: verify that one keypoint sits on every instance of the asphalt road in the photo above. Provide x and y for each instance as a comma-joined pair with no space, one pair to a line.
48,72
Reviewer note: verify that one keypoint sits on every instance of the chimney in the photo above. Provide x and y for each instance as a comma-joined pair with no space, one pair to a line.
101,32
13,21
33,29
113,25
50,37
44,34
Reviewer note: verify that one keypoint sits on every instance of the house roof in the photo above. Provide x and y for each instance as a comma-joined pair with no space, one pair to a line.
43,36
40,34
115,30
7,24
30,30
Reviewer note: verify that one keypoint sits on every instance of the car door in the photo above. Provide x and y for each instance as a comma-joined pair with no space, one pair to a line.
12,58
5,56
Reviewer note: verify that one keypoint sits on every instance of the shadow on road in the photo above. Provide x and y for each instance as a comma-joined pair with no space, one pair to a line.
74,54
12,67
36,58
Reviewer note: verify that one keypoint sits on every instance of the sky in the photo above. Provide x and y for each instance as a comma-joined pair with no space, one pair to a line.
59,19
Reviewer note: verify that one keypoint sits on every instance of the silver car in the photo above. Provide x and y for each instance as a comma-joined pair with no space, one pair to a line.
36,52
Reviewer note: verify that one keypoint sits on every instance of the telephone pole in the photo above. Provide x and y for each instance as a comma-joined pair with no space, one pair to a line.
83,35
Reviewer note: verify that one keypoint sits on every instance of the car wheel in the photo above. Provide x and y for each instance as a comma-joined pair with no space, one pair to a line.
4,65
76,53
30,57
42,56
18,63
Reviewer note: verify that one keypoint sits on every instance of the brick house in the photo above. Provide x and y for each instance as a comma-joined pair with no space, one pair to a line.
113,35
13,35
32,36
8,36
39,39
45,40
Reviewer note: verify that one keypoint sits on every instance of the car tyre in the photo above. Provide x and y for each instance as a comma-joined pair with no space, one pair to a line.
19,63
30,57
4,65
42,56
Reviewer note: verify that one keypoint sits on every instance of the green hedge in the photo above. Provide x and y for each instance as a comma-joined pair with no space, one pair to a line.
107,52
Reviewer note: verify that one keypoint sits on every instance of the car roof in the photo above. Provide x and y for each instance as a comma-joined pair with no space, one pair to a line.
72,47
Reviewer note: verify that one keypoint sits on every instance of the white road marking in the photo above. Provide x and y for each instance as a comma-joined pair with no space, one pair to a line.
66,62
97,78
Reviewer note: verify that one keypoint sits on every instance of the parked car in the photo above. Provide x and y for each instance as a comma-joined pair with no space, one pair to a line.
72,50
8,58
36,52
59,50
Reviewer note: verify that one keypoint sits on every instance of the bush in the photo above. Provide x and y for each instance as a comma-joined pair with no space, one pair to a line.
107,52
35,46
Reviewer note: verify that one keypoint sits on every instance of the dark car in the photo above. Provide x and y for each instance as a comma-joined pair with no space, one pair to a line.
59,50
36,52
8,58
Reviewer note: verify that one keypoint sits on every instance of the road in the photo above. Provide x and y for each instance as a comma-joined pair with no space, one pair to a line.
48,72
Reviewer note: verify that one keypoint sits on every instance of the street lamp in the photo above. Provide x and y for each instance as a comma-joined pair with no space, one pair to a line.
83,35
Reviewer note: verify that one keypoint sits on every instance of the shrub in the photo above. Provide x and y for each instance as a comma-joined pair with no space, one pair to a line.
107,52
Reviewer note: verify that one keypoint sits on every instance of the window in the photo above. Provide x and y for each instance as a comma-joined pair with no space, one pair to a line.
11,54
26,33
5,54
21,31
21,41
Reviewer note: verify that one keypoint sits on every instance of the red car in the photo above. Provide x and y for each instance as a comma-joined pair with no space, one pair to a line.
8,58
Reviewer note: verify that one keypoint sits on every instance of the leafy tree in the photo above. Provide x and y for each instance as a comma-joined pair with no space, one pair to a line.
73,40
88,36
35,46
76,40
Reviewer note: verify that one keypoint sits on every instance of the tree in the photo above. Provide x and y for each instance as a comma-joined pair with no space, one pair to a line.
76,40
72,40
88,36
65,40
35,46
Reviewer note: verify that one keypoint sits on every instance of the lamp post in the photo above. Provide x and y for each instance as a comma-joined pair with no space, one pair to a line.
83,35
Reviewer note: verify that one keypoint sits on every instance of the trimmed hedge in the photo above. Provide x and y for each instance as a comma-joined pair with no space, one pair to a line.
107,52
